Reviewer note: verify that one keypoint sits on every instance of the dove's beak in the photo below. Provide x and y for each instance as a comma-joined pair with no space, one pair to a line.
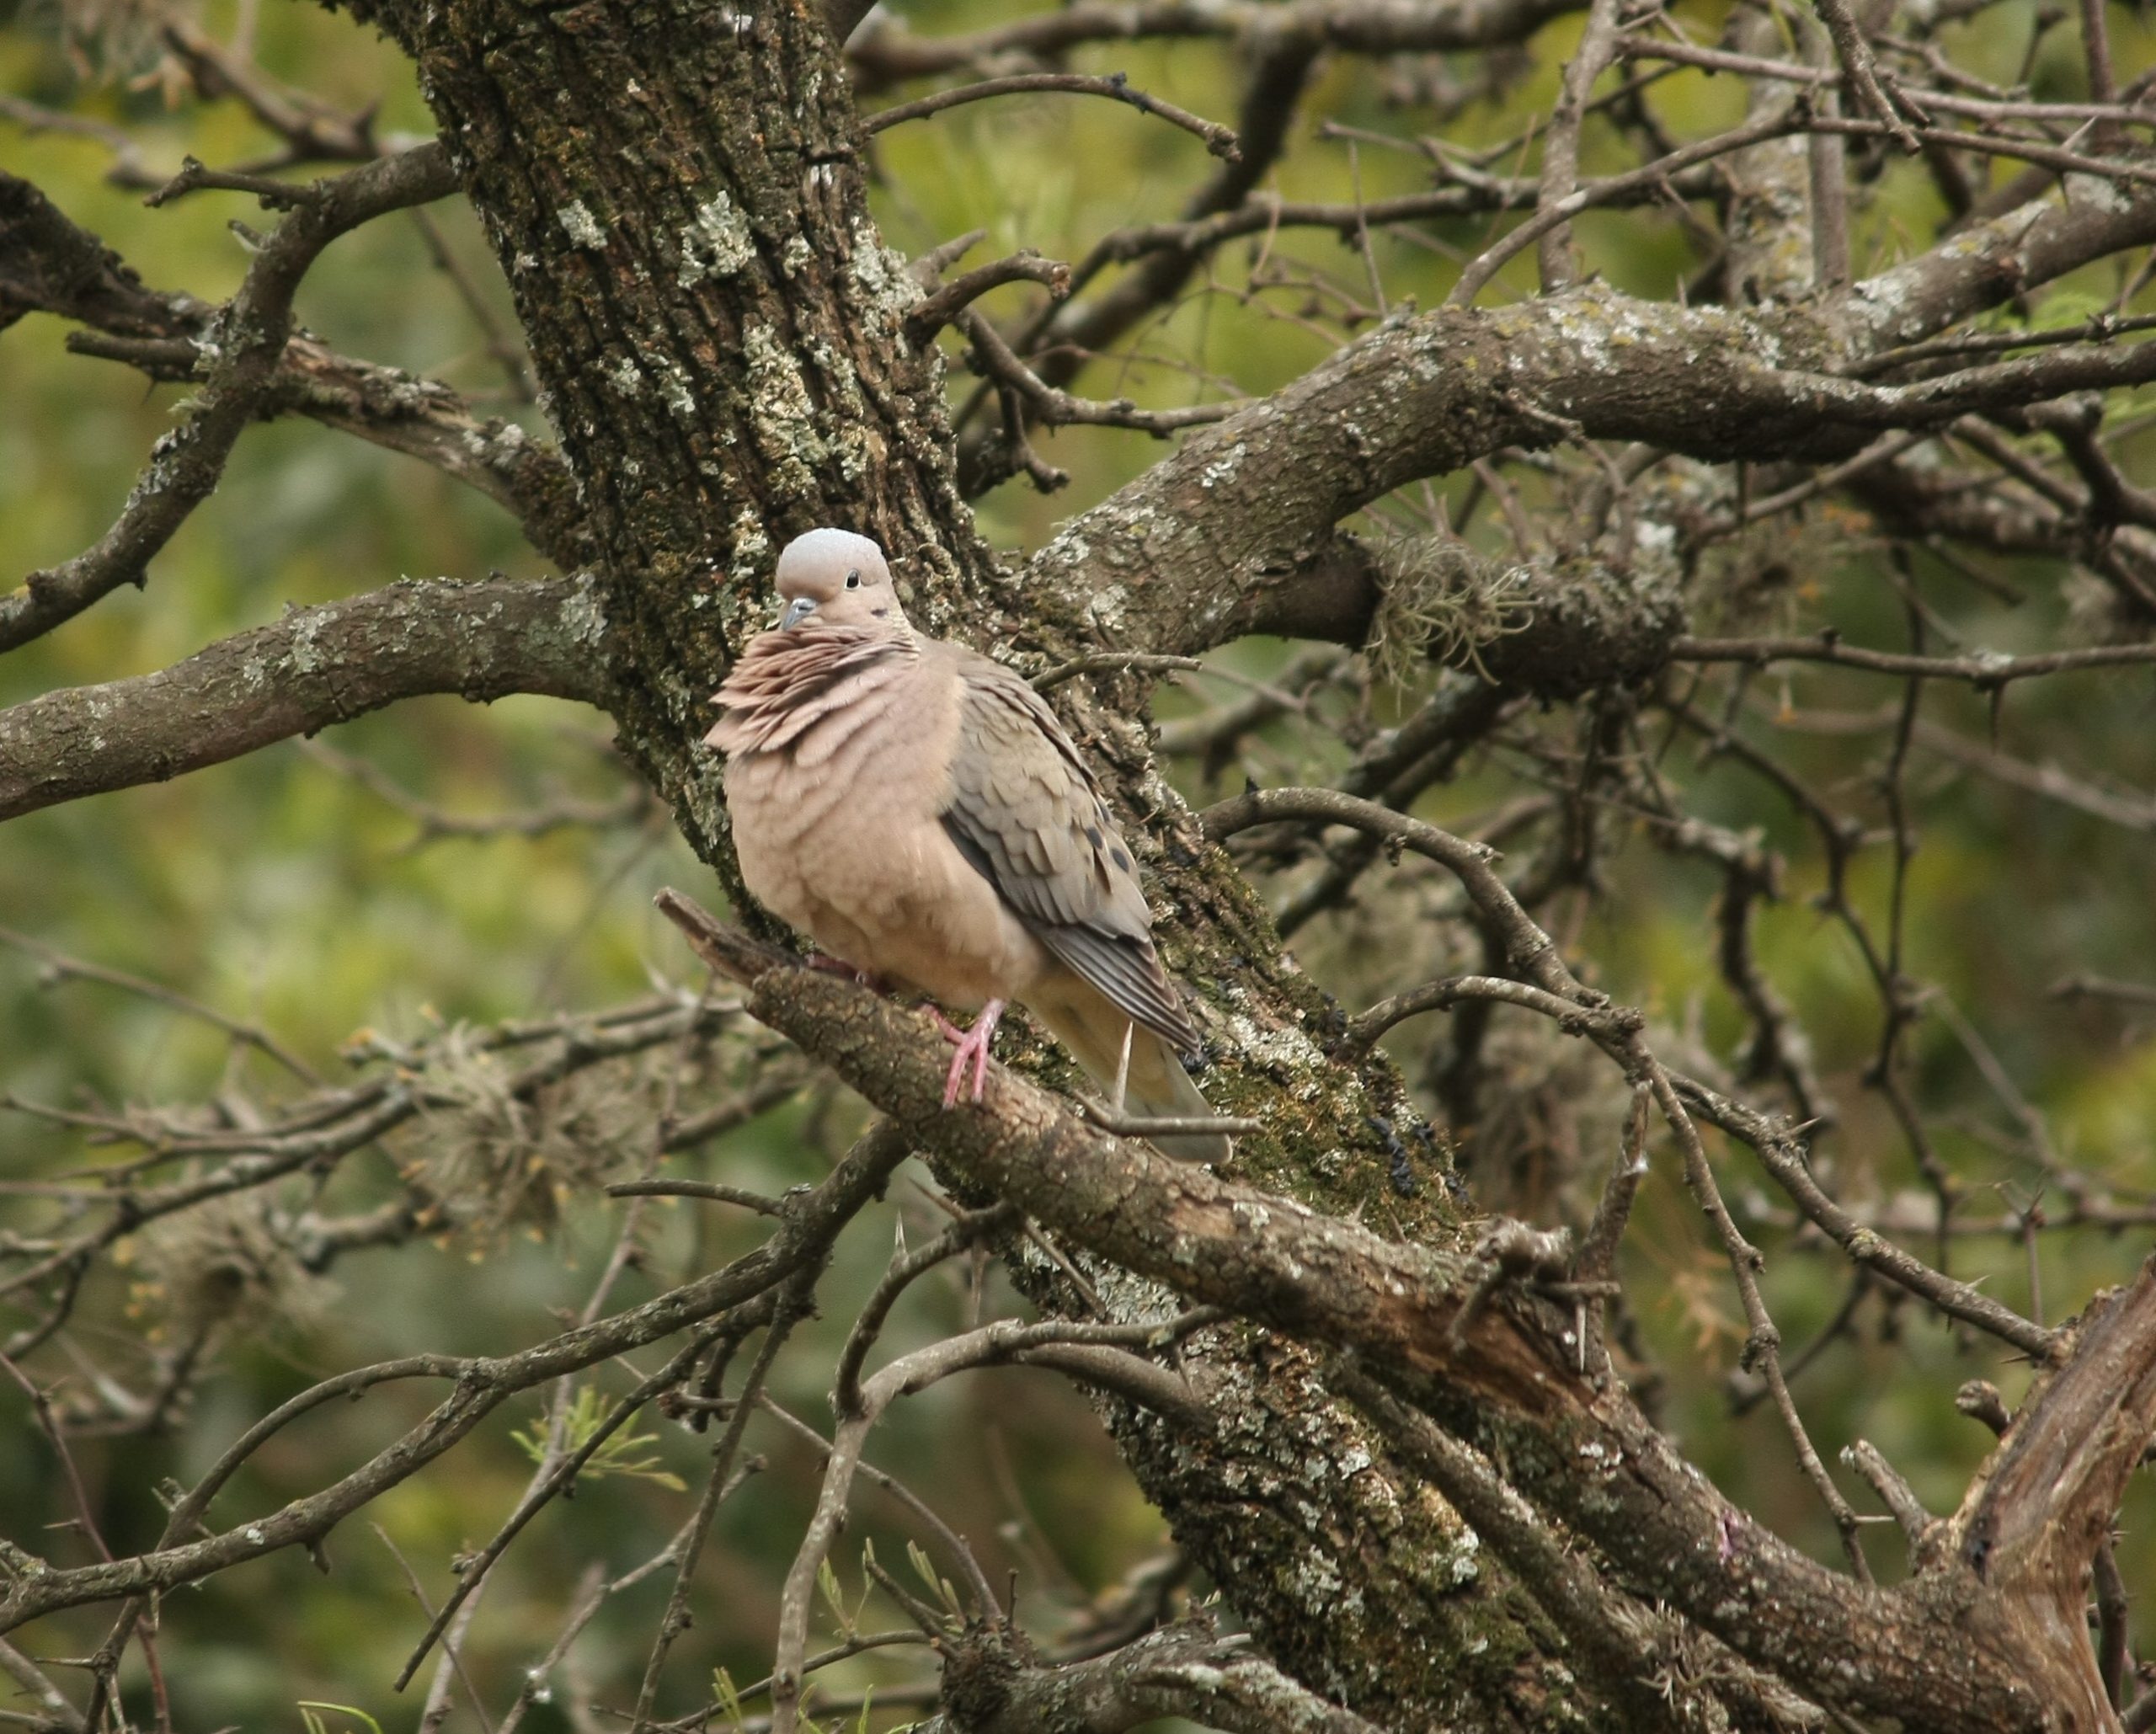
799,610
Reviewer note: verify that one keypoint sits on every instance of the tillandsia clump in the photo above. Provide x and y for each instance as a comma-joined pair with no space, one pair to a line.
227,1268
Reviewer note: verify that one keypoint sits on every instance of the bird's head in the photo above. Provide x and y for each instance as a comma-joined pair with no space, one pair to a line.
836,577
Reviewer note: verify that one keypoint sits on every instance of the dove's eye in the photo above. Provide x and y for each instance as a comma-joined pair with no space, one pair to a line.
853,580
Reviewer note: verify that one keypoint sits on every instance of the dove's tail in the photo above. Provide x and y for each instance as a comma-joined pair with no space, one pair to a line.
1157,1086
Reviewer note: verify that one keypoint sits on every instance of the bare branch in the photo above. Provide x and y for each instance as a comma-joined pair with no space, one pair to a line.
312,130
1560,145
252,333
1627,1645
196,176
59,967
1185,1670
482,1384
1461,384
128,168
1862,72
992,356
1894,1492
2047,1497
47,264
1781,1150
436,822
891,52
1220,140
1331,1281
1986,670
862,1404
2097,987
943,305
316,667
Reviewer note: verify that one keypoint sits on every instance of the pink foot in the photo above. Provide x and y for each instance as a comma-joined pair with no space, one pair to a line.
972,1045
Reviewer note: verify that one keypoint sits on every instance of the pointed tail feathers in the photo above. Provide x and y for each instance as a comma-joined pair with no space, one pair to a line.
1157,1088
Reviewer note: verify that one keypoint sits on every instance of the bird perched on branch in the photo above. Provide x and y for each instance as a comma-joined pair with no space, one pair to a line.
917,810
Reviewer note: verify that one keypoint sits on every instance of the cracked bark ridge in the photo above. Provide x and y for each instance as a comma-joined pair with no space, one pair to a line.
2033,1516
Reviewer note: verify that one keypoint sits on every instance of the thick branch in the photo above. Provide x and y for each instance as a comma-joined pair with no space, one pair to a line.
1203,543
2034,1517
315,667
47,264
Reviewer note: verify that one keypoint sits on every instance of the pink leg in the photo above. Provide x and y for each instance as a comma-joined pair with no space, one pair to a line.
972,1045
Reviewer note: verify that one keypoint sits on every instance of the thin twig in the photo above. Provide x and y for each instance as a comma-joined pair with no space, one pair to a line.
1560,143
929,317
1986,670
60,967
1220,140
1862,72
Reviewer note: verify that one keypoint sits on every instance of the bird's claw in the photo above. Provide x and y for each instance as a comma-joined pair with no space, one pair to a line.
973,1046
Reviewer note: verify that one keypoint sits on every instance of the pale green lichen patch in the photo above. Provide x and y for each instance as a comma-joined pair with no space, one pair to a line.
583,616
752,547
1105,608
580,226
304,657
783,412
887,290
717,244
674,388
1286,1051
1223,467
1459,1564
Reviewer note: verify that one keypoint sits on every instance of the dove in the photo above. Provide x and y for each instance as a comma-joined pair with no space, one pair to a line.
915,809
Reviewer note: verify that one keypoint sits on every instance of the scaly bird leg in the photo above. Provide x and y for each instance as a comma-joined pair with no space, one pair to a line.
972,1045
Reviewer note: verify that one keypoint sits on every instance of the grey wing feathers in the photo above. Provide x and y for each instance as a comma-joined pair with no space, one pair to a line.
1024,810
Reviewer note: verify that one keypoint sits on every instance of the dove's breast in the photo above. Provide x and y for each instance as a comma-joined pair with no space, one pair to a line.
839,833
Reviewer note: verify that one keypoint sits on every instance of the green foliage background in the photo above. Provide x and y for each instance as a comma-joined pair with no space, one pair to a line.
280,890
